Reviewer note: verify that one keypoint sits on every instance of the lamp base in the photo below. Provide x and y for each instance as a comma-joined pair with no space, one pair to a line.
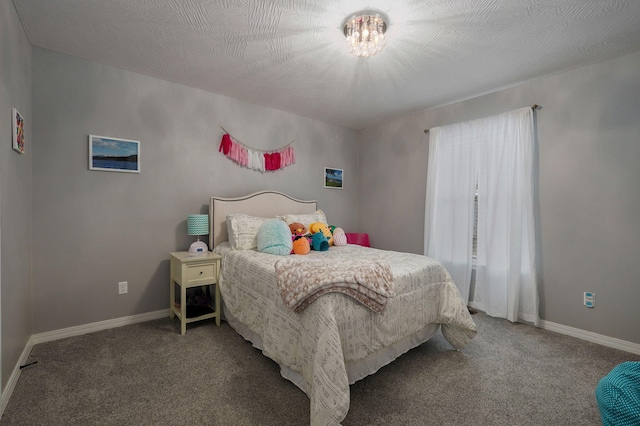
198,247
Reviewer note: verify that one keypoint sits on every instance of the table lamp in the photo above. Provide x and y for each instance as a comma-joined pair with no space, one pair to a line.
198,224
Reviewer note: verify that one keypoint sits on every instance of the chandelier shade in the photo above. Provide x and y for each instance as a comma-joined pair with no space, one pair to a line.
365,33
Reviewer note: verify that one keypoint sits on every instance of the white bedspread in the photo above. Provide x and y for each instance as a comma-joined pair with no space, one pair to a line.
335,328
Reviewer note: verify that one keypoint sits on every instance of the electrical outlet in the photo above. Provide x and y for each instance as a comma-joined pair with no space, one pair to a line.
589,299
123,287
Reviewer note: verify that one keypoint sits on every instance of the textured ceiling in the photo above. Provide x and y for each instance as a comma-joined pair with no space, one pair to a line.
291,54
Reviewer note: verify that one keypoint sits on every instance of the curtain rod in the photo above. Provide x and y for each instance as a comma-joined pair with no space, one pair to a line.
533,107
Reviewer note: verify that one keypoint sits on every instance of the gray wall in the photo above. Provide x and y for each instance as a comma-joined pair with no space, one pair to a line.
589,193
15,191
93,229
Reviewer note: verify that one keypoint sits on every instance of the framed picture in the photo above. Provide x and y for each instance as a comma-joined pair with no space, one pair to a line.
332,178
114,154
18,130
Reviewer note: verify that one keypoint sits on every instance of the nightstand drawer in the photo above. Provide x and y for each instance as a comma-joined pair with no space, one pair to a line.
200,272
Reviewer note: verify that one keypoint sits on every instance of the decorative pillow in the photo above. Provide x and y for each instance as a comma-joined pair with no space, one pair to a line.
243,230
230,236
274,236
305,219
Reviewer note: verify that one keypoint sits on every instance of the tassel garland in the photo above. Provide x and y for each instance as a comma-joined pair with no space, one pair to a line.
255,159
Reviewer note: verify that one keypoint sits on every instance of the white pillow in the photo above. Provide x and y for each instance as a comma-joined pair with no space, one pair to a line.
305,219
243,230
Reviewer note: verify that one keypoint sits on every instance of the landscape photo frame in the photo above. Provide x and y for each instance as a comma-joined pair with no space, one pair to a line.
114,154
17,126
333,178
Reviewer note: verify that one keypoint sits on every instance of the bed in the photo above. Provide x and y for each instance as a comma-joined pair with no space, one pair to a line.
336,340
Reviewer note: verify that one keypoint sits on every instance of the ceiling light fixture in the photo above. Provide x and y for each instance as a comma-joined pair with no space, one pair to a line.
365,33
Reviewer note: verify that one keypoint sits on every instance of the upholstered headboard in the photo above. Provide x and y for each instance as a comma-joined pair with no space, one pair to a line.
262,204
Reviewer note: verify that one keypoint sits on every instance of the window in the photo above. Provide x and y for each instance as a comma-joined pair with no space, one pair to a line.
479,211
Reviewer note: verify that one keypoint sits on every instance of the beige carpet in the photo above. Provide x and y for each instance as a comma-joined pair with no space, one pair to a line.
148,374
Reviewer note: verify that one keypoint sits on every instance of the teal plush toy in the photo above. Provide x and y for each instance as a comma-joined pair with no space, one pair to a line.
274,236
319,242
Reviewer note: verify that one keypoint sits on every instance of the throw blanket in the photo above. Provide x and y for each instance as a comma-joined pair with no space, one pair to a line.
303,280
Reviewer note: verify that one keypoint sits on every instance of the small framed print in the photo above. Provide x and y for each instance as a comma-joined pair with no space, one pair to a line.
114,154
332,178
18,130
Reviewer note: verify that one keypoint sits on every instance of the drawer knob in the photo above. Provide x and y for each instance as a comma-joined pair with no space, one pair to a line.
201,272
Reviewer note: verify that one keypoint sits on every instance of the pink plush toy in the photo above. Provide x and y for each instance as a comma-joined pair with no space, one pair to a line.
339,237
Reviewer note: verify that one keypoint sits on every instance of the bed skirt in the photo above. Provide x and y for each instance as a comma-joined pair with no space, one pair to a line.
356,369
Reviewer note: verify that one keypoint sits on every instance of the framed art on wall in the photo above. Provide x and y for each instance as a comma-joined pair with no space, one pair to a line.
332,178
114,154
18,130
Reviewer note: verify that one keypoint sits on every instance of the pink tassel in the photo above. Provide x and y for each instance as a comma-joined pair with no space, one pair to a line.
260,161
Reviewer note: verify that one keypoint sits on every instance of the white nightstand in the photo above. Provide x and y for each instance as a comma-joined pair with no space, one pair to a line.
193,270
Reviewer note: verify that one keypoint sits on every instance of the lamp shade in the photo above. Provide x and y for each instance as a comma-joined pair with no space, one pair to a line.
198,224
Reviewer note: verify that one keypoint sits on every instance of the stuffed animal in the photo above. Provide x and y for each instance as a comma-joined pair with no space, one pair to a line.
301,245
298,229
319,242
300,232
316,227
339,237
274,237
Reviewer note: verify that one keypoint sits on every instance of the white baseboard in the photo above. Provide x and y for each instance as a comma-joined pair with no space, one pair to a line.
13,380
97,326
611,342
68,332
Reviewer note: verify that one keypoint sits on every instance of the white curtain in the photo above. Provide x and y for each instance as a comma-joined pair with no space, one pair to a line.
451,181
497,155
